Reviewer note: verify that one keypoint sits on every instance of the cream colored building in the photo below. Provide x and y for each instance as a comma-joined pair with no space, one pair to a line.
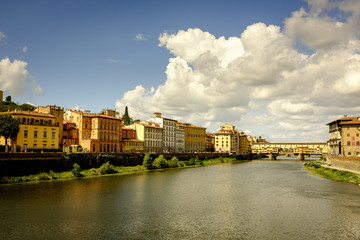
152,135
230,140
169,136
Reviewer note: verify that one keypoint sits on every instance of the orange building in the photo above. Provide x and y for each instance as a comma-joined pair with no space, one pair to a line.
97,132
70,134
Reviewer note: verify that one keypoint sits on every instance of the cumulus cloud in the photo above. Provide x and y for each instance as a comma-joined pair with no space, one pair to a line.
260,81
14,77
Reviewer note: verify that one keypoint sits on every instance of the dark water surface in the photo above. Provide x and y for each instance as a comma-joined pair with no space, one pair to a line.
251,200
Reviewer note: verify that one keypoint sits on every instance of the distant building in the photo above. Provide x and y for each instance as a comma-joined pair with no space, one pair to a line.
70,134
38,131
151,134
129,141
180,140
169,136
195,137
210,142
57,112
344,136
229,139
97,132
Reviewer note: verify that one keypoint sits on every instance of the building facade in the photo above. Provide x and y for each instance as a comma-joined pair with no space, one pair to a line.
195,137
344,136
97,132
37,131
180,140
151,134
169,136
70,134
210,142
58,113
229,139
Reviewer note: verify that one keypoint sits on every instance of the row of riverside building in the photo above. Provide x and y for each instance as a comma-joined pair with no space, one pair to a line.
52,128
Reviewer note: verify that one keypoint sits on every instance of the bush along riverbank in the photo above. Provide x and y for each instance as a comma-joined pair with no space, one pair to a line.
149,164
333,174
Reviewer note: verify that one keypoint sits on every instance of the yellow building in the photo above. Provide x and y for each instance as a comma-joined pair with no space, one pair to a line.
133,145
57,112
38,131
229,139
195,137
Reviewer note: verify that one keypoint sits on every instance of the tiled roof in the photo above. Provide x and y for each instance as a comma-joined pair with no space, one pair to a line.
28,113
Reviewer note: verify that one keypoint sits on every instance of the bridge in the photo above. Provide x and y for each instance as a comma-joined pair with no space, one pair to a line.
301,150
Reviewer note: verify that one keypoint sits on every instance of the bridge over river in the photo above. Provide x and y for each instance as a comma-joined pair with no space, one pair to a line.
301,150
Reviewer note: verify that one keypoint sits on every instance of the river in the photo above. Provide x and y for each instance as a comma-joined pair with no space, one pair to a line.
249,200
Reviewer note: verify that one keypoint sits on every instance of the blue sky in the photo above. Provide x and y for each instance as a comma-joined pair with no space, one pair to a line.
102,54
84,52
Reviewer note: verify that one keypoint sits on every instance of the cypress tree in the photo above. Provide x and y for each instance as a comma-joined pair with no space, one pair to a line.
126,117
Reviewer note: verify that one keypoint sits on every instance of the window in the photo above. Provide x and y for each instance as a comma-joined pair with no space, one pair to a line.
35,134
348,134
25,146
357,143
35,146
357,134
25,133
45,135
53,135
348,143
44,145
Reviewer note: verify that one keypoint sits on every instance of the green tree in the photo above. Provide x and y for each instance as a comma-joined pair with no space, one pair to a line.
126,118
8,99
26,107
9,127
148,161
160,162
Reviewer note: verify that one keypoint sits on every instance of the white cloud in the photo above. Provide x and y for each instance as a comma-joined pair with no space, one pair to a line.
113,60
24,49
14,77
2,36
260,81
140,37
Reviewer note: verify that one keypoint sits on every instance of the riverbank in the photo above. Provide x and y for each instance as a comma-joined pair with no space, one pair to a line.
333,173
108,169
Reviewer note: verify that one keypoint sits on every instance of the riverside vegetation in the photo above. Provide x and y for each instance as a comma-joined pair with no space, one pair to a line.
333,174
149,164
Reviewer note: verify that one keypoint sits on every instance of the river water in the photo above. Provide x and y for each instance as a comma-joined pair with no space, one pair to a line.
250,200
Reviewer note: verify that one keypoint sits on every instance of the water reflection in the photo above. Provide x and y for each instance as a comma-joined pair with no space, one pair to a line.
252,200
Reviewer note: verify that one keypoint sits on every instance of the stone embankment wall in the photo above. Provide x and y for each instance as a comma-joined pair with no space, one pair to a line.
22,164
351,163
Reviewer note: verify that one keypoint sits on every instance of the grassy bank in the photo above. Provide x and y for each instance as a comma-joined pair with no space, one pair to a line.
107,169
333,174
